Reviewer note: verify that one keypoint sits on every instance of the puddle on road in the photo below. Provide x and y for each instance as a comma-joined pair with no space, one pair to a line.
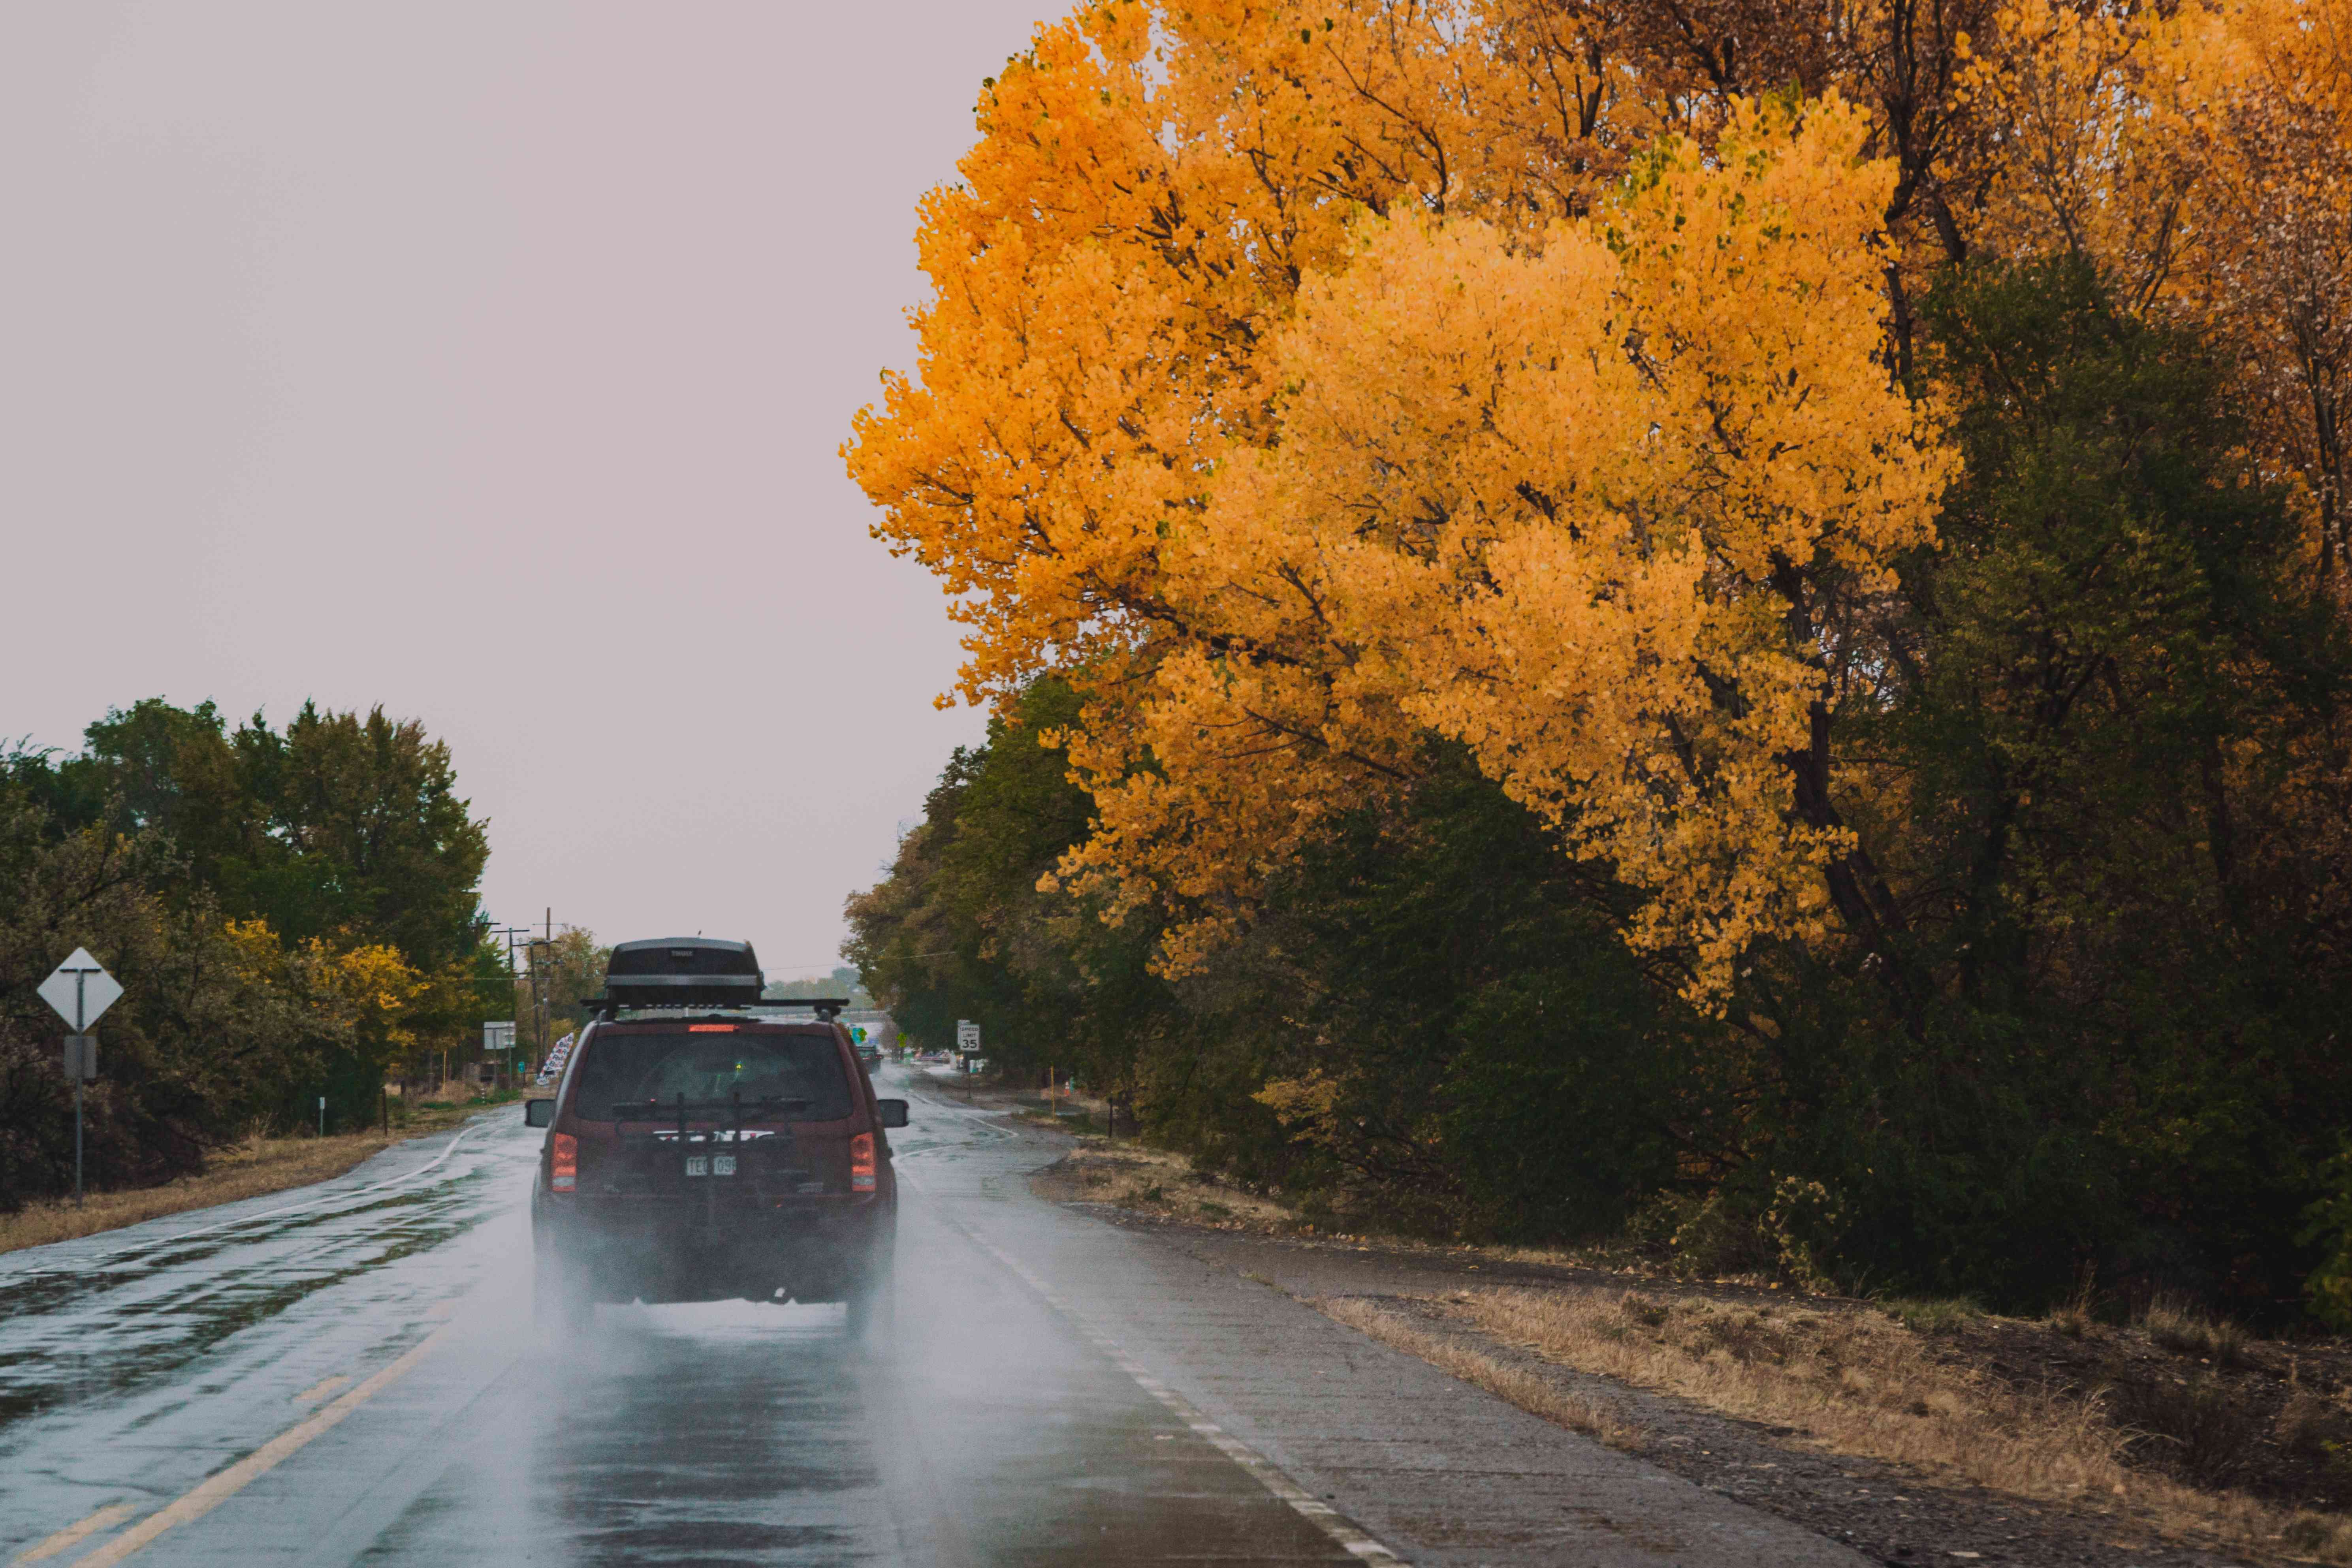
141,1317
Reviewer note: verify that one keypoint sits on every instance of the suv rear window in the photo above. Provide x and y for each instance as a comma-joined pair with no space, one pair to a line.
710,1068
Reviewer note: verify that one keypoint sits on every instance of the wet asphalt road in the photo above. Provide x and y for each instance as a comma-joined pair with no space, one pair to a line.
350,1373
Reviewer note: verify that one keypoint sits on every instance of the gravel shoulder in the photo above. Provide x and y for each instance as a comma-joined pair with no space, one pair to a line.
1892,1513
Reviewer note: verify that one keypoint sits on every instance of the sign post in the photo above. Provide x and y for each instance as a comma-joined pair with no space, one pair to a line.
967,1051
499,1042
79,991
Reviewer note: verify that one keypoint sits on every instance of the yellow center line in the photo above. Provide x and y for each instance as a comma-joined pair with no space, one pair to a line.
319,1390
218,1488
107,1518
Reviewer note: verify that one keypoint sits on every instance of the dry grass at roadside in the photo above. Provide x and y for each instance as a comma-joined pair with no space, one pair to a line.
1514,1384
1134,1177
248,1169
1161,1183
1860,1381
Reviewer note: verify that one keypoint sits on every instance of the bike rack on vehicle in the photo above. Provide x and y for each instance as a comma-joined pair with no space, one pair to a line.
626,1112
642,1152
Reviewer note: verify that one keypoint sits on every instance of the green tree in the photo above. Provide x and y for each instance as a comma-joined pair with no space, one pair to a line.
2103,764
842,981
960,929
358,826
194,1052
1470,1046
342,827
290,912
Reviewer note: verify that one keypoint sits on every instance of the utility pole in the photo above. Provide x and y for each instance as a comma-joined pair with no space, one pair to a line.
538,969
511,932
543,958
542,986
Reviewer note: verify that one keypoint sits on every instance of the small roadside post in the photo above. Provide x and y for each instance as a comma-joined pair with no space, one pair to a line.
79,991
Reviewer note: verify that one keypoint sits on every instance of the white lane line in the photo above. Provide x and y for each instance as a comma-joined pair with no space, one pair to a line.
83,1266
218,1487
1351,1538
107,1518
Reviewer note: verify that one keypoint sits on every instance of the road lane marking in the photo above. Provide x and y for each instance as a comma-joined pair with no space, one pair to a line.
1350,1537
217,1489
107,1518
319,1390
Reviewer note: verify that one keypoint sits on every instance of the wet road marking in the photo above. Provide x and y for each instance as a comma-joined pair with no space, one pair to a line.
319,1390
219,1487
107,1518
1344,1532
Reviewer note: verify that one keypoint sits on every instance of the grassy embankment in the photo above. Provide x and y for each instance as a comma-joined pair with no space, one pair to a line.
2177,1421
251,1168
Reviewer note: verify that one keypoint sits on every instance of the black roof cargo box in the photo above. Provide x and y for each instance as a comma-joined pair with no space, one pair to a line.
683,971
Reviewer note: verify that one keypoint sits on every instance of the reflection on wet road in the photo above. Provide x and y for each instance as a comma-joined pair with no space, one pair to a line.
112,1315
149,1379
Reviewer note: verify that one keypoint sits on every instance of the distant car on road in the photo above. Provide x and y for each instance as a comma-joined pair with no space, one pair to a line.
701,1149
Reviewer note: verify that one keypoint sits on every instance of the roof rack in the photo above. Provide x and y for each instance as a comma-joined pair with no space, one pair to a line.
826,1006
610,1007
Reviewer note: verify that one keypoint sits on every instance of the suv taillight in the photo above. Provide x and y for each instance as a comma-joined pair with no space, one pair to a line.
563,1171
861,1162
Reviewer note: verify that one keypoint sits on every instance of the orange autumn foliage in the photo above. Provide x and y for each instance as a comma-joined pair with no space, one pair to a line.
1568,504
1298,389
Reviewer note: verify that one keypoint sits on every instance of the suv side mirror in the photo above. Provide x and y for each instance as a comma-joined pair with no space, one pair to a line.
894,1112
538,1113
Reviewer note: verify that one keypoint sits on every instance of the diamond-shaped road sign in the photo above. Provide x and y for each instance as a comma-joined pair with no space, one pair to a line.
81,989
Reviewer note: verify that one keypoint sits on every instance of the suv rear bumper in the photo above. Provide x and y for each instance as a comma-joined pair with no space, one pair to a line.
665,1250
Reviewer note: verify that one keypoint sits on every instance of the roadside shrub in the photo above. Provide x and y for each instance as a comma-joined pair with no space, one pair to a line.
2177,1325
2190,1428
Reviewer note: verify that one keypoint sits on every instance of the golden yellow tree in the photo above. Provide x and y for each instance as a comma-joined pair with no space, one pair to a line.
359,998
1590,510
1307,380
1149,188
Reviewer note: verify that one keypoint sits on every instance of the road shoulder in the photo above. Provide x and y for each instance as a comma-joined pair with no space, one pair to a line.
1888,1512
1437,1469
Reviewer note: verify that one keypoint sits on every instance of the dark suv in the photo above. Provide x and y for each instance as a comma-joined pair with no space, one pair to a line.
701,1149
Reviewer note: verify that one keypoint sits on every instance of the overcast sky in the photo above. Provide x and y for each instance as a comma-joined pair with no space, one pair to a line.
487,361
